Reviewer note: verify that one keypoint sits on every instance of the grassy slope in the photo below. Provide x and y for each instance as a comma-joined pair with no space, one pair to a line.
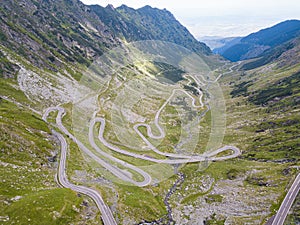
263,120
26,144
270,114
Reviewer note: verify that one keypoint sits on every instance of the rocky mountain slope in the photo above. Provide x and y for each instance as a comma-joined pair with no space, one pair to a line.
283,53
148,23
256,44
51,33
274,88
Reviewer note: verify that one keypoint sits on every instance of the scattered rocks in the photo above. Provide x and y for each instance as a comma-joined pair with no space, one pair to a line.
4,218
172,190
168,219
16,198
229,201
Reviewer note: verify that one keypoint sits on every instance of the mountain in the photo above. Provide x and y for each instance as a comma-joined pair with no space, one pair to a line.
148,23
286,54
272,90
263,116
48,46
255,44
217,43
50,33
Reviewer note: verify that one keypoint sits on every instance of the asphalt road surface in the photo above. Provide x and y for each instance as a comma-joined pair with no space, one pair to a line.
287,202
182,158
107,215
106,162
123,175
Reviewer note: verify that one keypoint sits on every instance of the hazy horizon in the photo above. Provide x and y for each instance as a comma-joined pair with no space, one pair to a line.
224,18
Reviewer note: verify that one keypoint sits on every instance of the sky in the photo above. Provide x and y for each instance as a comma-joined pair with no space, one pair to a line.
225,18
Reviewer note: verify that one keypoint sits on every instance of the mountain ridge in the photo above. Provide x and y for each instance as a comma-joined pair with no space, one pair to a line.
255,44
52,34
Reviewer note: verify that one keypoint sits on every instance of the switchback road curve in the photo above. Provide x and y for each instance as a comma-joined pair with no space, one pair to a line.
113,169
107,215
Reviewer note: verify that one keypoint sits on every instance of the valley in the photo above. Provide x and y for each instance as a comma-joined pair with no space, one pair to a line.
120,116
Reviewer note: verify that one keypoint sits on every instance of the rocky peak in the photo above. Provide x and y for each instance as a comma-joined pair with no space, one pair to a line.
111,7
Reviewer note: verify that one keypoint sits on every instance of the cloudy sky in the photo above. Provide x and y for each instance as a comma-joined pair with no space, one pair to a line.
225,18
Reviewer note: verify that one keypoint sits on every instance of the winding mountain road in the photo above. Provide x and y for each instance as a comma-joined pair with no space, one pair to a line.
107,215
147,177
183,158
113,169
126,176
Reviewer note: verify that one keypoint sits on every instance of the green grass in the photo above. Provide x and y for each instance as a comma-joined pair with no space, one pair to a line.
141,203
213,198
172,129
7,89
193,197
269,132
23,135
280,89
56,206
76,159
25,171
21,116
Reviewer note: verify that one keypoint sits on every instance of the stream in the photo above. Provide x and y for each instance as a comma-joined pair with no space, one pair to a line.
167,219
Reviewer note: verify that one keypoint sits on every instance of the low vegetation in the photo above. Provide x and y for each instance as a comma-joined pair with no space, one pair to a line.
28,191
